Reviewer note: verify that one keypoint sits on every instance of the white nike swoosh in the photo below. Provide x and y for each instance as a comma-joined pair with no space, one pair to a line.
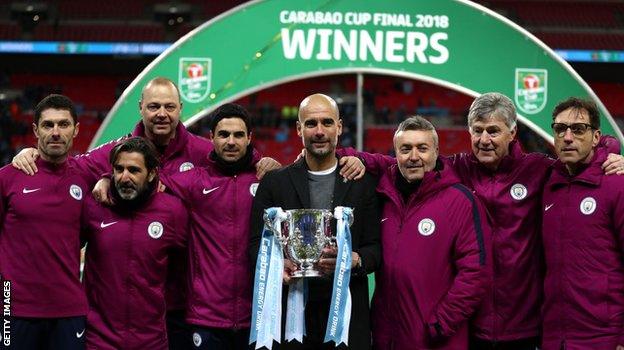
79,334
384,219
103,225
548,207
25,190
205,191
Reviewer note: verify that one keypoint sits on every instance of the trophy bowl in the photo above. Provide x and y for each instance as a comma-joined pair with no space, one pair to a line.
306,232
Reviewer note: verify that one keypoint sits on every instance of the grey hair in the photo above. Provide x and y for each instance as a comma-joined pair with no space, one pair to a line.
417,123
490,105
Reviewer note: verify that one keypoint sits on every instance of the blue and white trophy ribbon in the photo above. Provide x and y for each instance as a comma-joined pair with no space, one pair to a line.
340,309
295,311
267,295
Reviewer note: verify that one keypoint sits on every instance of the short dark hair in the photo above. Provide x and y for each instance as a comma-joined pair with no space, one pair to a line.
140,145
417,123
579,104
230,110
55,101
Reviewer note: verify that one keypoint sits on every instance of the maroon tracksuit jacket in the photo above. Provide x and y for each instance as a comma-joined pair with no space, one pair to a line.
433,275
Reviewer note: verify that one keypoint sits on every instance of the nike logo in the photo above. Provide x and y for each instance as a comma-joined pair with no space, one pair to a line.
548,207
25,190
103,225
384,219
205,191
79,334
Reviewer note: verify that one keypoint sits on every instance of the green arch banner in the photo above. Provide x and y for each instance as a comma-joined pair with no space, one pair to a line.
454,43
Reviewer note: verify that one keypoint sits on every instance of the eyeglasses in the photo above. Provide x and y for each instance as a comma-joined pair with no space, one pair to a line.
578,129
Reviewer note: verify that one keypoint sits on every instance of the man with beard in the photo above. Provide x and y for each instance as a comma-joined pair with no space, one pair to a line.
313,182
583,235
40,237
219,197
128,250
179,150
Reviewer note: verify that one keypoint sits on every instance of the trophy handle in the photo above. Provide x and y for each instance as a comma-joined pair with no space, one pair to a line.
338,211
275,224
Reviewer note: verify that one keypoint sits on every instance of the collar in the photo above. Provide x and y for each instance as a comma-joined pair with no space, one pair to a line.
175,145
232,168
433,181
508,162
590,173
127,207
50,167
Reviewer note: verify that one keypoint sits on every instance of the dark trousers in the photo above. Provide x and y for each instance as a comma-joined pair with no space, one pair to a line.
206,338
66,333
178,331
519,344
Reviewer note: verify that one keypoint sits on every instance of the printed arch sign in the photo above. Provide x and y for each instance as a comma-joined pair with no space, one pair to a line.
453,43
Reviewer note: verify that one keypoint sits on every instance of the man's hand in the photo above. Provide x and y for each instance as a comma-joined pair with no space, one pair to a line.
265,165
613,165
327,263
289,268
352,168
100,192
25,160
619,347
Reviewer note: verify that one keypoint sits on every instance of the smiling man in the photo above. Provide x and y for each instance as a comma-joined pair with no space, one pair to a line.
314,182
509,182
583,234
40,236
219,197
178,150
434,240
128,251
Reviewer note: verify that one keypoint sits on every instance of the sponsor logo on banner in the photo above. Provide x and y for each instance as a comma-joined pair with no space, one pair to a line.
194,78
518,192
588,206
531,89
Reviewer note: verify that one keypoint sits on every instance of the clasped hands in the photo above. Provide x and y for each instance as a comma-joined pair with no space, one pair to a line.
326,264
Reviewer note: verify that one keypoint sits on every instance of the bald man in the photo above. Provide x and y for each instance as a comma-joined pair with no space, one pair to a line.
314,182
179,150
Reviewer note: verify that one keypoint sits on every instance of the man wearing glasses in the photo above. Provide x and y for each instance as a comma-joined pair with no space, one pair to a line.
509,183
583,235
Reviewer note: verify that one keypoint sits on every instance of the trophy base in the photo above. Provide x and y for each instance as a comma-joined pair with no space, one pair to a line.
306,274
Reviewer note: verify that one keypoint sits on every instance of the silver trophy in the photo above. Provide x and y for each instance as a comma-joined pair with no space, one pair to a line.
303,233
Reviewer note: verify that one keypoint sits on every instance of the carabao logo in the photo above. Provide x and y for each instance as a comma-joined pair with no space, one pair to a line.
194,78
531,90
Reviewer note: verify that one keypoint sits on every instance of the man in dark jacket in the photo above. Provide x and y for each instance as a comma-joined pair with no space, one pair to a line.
314,182
434,238
583,234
